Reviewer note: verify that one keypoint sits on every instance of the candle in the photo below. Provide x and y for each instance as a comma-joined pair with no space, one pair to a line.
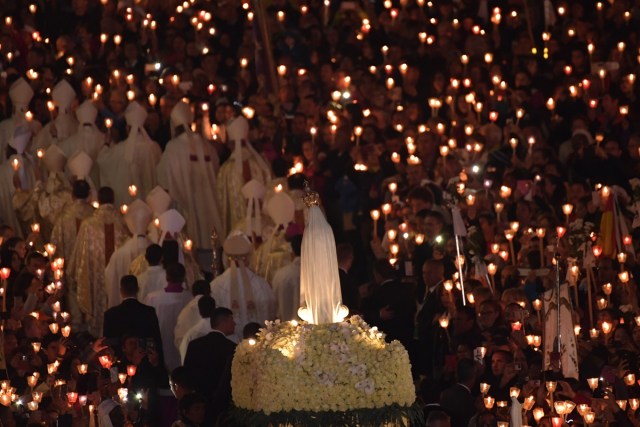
131,370
357,131
484,388
567,209
375,216
15,164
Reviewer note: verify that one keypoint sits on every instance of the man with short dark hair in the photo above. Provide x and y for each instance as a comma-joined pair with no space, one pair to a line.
208,361
180,383
206,306
457,400
391,306
154,278
349,289
438,419
191,314
131,317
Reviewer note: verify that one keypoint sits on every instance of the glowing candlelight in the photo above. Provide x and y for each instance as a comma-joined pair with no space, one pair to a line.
131,370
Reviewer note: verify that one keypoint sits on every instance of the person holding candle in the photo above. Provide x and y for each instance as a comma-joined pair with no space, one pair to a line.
20,93
52,195
18,176
63,124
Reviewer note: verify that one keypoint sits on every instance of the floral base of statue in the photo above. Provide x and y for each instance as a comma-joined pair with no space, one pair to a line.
338,374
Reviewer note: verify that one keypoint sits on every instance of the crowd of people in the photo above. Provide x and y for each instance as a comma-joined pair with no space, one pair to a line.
477,161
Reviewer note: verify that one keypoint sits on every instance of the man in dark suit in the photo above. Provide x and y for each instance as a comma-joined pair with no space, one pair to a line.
457,399
131,317
208,362
348,286
390,306
429,307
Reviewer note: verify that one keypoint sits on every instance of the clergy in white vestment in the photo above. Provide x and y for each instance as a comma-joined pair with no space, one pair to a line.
20,93
137,218
54,193
67,225
286,285
248,295
190,315
154,277
64,124
17,179
132,161
98,237
275,251
175,247
244,165
87,138
200,327
159,201
188,169
168,303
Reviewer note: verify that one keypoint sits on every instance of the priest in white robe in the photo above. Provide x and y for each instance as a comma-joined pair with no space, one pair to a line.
275,251
64,124
244,165
132,161
190,315
168,303
98,238
170,225
200,326
248,295
54,193
154,277
137,218
87,138
20,93
286,285
188,170
159,201
17,179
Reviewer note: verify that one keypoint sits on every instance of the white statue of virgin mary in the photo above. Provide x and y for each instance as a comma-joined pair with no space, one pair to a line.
320,294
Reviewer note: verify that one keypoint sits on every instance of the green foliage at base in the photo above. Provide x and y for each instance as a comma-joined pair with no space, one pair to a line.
392,415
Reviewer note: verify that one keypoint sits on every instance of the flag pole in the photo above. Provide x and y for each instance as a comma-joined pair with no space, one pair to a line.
464,297
459,230
557,257
263,29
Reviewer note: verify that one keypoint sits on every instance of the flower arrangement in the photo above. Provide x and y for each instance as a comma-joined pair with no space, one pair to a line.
295,372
